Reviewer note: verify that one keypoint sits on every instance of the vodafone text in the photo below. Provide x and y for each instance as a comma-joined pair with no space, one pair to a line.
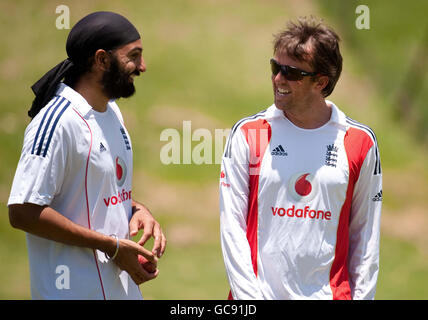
121,196
302,213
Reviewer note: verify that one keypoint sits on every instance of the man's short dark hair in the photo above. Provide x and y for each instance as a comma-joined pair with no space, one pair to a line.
311,41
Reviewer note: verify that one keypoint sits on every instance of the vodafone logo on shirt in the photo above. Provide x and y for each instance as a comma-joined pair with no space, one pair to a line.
119,198
305,213
121,172
223,176
303,187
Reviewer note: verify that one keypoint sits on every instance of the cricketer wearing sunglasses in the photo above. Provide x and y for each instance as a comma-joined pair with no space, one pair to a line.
301,184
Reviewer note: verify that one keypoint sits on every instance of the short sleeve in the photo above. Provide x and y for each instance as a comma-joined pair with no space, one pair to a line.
41,167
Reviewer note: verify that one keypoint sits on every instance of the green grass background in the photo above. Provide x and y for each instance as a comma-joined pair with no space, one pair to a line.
209,60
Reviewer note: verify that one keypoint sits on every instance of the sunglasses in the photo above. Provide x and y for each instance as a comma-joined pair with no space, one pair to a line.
289,72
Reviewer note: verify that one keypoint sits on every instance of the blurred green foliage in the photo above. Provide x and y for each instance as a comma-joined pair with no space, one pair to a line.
393,52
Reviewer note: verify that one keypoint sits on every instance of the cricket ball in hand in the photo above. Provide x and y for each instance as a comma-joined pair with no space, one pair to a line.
146,264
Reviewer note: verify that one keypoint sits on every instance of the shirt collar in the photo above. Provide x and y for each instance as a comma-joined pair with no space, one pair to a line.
76,99
337,116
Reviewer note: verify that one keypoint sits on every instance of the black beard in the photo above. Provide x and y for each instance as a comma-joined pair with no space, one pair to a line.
116,82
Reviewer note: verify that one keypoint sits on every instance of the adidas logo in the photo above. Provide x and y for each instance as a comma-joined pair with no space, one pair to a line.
378,196
102,148
279,151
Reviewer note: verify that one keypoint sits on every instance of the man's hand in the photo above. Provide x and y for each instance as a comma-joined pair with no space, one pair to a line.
143,219
43,221
127,259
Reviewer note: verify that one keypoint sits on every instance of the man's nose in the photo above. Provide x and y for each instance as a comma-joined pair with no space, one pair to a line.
142,67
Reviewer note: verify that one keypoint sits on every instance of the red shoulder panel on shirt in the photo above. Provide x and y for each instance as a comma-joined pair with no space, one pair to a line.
258,134
357,144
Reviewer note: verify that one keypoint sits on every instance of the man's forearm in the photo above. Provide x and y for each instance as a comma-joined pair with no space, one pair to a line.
45,222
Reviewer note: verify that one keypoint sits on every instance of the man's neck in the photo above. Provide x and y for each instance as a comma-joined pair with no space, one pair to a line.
90,89
310,117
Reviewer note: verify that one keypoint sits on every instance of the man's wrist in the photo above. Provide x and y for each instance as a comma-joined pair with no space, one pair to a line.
109,245
116,251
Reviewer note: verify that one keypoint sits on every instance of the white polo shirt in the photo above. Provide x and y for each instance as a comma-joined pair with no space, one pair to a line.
79,162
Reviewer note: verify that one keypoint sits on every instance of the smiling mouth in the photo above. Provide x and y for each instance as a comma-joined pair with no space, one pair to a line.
282,92
132,76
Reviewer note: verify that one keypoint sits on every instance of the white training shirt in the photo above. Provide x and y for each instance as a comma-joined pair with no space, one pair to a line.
79,162
300,208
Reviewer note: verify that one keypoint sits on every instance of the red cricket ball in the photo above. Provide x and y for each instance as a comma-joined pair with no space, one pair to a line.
146,264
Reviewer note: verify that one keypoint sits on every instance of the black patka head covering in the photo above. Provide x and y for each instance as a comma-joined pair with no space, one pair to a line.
98,30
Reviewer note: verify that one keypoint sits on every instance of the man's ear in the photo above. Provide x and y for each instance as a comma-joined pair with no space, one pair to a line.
102,60
321,82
